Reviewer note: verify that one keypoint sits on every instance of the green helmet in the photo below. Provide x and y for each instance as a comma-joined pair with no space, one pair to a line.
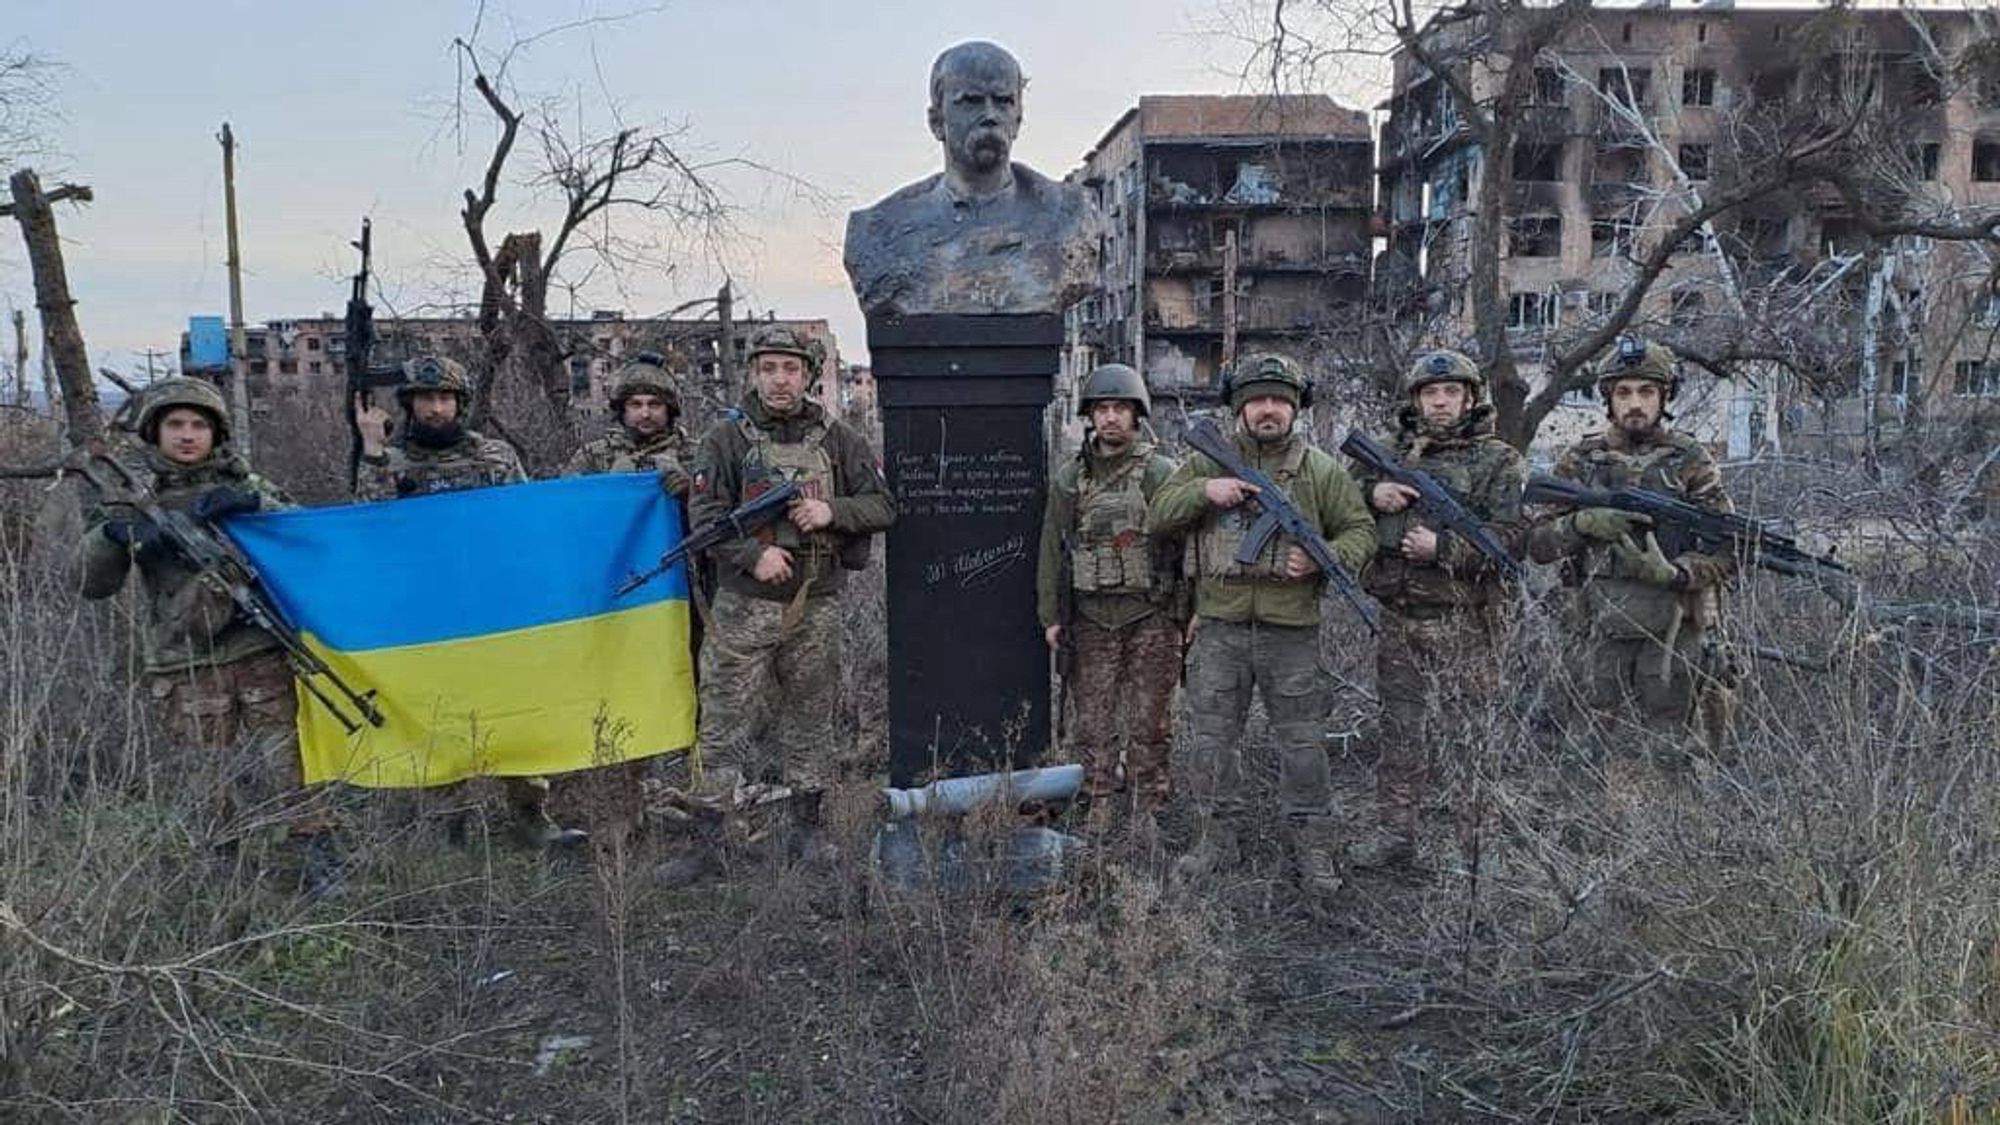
1115,381
434,373
1266,373
784,339
1444,366
1633,358
165,395
645,372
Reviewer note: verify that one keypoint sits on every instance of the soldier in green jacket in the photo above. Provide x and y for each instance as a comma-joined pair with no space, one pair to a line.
217,683
1127,614
1435,663
1644,617
1257,625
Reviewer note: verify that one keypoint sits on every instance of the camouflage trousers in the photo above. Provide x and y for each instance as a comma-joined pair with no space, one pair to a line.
244,714
1638,689
770,689
1435,671
1229,661
1121,699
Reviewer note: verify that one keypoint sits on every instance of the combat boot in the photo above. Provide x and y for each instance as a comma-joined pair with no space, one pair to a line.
534,829
701,859
806,842
1215,848
1315,856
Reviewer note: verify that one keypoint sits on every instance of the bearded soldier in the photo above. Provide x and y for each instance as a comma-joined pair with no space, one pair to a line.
1644,613
645,435
1257,624
1435,663
771,657
218,684
435,452
1124,628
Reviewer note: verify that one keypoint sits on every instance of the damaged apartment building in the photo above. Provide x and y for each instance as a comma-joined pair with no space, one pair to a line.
1232,224
1631,113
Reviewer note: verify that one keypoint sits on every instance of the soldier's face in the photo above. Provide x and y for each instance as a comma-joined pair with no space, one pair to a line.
186,435
1443,404
1114,420
977,113
780,380
645,414
1268,417
434,408
1636,405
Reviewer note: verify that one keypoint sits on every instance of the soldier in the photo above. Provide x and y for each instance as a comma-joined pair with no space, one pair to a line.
646,435
217,682
1434,663
772,651
436,453
1257,625
1126,614
1644,616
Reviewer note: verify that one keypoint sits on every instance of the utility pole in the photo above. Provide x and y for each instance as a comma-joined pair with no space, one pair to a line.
152,354
725,342
63,355
239,366
21,358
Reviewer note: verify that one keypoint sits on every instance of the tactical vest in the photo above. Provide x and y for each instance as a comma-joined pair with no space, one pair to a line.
465,464
1111,554
1622,605
1213,553
619,454
768,463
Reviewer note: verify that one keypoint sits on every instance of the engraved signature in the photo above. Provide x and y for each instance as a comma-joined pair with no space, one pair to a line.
979,566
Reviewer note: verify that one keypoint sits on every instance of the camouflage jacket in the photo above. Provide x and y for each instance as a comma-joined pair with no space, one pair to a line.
1485,474
1618,604
408,469
1113,610
188,620
617,452
1324,494
726,468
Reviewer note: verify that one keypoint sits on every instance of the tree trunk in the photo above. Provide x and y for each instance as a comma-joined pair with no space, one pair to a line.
60,332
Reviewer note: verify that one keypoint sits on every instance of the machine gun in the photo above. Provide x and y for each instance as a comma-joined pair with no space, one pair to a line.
749,517
202,548
1433,498
1682,526
1277,514
362,377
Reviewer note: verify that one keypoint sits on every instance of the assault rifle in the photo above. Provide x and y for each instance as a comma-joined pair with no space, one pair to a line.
1682,526
362,377
202,547
766,509
1278,515
1433,498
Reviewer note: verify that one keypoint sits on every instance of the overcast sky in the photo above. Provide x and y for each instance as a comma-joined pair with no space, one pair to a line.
341,109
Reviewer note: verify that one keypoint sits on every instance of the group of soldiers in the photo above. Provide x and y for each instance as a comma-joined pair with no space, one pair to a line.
1140,560
1141,582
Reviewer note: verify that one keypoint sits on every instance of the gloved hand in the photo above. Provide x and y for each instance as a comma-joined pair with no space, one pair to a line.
1645,562
137,534
675,481
1607,524
225,500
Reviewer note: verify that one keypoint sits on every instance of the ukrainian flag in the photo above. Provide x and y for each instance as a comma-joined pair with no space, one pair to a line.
485,624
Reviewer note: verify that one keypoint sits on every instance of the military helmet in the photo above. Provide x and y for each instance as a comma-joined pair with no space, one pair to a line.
787,340
1115,381
645,372
1444,366
1266,373
1633,358
433,373
165,395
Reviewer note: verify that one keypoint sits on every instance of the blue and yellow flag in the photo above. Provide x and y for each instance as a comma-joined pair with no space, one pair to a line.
485,623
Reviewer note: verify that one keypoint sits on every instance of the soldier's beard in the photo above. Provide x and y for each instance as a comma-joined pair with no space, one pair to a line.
646,429
436,435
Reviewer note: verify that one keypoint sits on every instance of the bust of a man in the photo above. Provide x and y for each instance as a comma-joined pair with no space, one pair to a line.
986,235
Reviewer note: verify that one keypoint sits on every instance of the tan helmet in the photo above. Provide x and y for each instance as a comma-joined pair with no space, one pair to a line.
181,391
1114,381
646,371
1444,366
784,339
434,373
1633,358
1266,373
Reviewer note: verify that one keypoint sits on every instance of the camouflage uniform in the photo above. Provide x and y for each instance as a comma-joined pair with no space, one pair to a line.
216,683
1128,610
1645,642
618,452
772,650
1257,630
1435,662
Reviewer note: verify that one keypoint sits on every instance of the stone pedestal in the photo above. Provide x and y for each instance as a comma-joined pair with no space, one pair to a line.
963,402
